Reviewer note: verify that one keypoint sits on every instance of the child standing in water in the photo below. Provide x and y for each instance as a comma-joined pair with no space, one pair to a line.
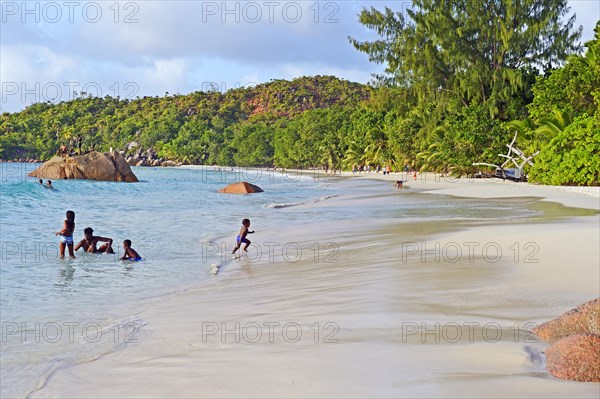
66,235
241,238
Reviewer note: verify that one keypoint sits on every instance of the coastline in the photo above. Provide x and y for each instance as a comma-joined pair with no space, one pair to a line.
433,183
378,322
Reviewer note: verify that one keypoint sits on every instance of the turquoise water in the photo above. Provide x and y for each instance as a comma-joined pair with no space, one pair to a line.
176,220
57,312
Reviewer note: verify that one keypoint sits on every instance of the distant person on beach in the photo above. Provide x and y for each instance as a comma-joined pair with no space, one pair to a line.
66,235
241,238
63,151
90,243
130,253
398,184
49,185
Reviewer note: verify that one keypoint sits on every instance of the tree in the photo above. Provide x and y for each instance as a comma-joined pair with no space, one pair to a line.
574,88
572,157
253,145
469,51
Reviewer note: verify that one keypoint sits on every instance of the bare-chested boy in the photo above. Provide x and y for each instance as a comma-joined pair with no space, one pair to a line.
130,253
241,238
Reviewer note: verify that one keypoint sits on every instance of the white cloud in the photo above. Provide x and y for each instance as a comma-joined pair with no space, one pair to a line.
178,46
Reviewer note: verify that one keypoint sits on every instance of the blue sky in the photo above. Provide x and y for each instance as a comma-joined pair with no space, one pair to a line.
48,49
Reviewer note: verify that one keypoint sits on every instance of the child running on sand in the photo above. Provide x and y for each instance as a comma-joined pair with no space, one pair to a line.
130,253
241,238
66,235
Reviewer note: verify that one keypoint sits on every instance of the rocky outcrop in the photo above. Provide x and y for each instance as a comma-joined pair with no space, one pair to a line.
575,358
92,166
574,351
241,188
583,319
148,157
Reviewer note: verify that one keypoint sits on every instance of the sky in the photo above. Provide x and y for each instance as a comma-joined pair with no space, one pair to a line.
51,49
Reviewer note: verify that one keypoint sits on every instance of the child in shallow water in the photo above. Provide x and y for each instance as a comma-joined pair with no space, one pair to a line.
241,238
66,235
130,253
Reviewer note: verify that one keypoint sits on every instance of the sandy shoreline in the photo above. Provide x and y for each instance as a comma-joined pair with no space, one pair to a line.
382,310
582,197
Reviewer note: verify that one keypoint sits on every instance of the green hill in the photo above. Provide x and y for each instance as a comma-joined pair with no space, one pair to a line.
199,127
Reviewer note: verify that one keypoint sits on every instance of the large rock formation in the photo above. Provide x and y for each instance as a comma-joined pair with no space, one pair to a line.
576,358
583,319
241,188
574,353
92,166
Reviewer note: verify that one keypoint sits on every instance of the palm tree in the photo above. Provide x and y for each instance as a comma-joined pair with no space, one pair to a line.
433,158
330,157
551,126
352,157
376,153
532,136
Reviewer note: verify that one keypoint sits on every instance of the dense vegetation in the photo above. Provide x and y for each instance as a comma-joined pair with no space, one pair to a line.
470,72
454,92
236,127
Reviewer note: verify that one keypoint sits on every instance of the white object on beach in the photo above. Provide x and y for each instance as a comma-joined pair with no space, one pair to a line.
214,268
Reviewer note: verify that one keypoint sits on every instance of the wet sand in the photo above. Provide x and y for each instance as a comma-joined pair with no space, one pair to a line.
369,308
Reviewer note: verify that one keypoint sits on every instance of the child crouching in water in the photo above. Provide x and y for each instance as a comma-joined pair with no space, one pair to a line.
130,253
241,238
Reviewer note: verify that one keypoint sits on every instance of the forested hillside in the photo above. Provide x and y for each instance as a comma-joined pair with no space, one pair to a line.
235,127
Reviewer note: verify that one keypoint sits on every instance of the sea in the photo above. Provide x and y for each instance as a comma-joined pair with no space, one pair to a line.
58,312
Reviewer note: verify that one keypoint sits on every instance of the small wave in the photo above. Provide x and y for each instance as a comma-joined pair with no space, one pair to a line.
326,197
277,206
290,204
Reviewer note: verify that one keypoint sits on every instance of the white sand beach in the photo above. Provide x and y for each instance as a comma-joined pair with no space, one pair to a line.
369,308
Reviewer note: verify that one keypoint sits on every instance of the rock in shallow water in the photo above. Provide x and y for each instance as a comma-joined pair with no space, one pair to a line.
241,188
92,166
576,358
583,319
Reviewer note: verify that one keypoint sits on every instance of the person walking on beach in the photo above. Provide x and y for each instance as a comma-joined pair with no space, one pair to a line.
130,253
90,243
398,184
241,238
66,235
